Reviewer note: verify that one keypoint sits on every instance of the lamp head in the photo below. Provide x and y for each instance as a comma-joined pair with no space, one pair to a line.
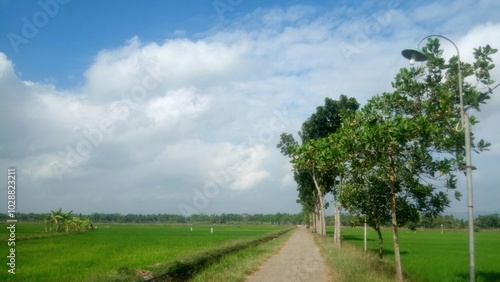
414,55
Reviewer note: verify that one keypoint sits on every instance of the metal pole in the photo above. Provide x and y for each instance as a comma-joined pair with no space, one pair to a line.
365,234
468,167
468,162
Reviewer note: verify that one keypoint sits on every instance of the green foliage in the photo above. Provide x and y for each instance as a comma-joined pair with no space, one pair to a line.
483,66
490,221
442,221
411,139
313,160
287,144
65,222
328,118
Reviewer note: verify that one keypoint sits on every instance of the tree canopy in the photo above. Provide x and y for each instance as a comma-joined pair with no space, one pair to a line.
396,158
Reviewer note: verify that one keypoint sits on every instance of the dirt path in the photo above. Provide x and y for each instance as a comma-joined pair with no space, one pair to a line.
298,260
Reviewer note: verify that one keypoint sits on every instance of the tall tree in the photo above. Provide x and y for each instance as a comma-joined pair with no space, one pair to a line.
328,118
406,144
305,186
325,121
305,159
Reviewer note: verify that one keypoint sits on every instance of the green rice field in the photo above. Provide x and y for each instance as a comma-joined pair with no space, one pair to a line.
428,255
111,249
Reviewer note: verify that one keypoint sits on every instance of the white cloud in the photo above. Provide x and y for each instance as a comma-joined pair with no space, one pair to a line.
177,63
176,104
186,113
231,166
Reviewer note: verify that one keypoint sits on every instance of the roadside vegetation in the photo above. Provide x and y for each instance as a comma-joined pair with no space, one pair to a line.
237,266
427,255
350,263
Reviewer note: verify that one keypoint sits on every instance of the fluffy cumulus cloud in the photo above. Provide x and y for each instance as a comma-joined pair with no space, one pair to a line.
191,125
174,64
177,104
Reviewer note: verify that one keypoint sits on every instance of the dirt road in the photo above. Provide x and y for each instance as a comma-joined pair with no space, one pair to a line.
298,260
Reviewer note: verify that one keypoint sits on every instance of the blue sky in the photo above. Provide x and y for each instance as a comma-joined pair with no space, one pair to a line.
70,39
176,107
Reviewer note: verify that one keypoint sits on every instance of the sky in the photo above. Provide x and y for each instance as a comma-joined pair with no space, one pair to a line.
177,106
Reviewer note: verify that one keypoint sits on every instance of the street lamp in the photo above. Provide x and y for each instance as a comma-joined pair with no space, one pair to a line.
419,56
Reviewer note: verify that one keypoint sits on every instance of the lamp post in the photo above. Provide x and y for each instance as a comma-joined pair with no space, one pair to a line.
417,55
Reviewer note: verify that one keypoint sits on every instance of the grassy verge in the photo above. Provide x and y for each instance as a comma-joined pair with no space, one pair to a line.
349,263
236,266
428,255
188,267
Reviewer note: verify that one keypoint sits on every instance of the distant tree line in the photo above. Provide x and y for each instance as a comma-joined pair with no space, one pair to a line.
490,221
225,218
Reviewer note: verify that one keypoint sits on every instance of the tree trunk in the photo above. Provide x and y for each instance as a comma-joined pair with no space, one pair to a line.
312,222
336,205
319,227
321,209
336,234
397,256
315,218
318,217
322,214
380,243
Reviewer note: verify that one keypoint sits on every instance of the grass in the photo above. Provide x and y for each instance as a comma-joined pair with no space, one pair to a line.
427,255
350,263
112,249
237,266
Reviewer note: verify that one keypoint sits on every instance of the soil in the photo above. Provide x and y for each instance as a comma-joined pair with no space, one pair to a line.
298,260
